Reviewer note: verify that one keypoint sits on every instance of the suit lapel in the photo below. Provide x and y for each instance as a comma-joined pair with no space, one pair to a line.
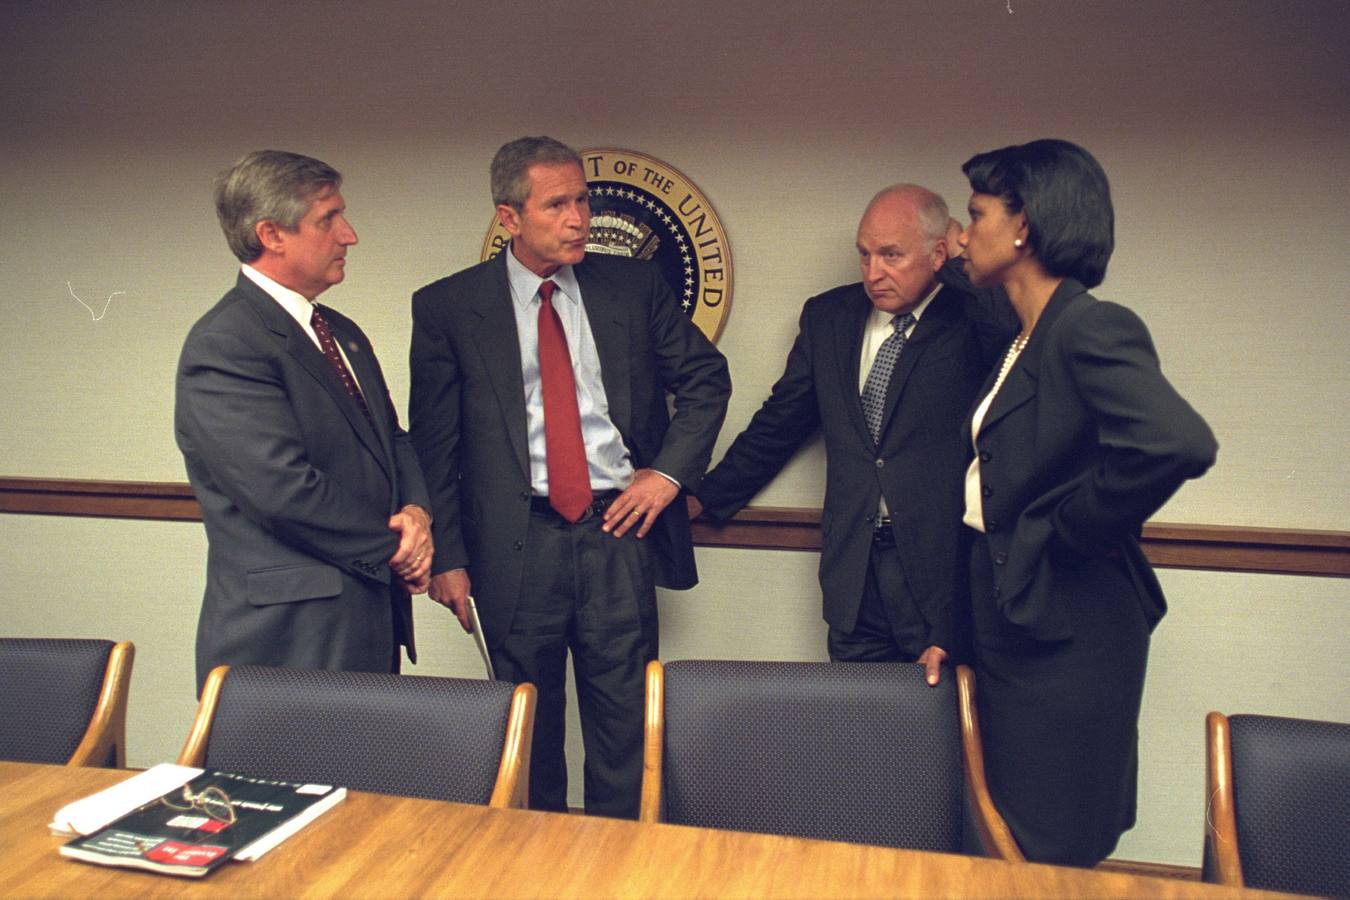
1020,386
848,338
935,319
367,374
499,346
608,315
309,358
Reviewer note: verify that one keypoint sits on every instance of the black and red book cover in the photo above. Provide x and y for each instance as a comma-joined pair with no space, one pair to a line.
216,816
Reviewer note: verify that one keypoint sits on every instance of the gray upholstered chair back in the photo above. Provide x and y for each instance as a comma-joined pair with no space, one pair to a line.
867,753
1291,797
48,691
439,738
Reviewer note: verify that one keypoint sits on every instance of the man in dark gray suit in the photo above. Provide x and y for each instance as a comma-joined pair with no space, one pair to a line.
886,369
314,504
539,390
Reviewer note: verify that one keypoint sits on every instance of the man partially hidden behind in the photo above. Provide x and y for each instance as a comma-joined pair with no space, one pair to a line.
886,370
539,410
314,504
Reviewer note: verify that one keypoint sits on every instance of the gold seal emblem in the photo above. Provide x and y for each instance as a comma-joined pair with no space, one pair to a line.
646,209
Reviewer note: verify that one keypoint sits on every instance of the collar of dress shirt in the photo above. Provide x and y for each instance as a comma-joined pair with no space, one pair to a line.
882,320
525,284
295,304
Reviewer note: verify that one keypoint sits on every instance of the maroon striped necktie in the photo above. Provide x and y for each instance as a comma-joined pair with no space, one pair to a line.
330,352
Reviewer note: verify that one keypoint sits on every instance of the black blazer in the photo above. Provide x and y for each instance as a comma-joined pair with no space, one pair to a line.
296,489
468,421
918,465
1085,440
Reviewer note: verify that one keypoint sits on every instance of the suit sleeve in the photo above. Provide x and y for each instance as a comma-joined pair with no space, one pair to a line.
434,421
695,372
988,309
240,422
1150,438
787,418
412,485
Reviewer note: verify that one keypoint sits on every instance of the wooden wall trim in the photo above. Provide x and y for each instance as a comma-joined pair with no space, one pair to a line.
100,499
1224,548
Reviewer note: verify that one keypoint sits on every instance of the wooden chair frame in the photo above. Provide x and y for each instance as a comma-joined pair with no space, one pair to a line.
511,788
653,743
107,731
994,833
1221,840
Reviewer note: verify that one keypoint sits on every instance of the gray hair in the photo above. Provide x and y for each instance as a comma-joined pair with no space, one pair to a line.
270,185
931,208
511,166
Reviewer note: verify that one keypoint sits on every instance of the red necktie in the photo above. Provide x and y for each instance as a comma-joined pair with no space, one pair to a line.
569,481
330,352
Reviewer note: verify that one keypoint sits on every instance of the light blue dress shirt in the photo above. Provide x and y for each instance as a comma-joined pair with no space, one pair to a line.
606,456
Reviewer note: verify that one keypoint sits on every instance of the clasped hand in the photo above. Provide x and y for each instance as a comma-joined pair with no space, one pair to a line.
411,562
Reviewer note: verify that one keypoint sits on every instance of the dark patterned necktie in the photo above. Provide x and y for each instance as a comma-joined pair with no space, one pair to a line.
879,377
330,352
569,480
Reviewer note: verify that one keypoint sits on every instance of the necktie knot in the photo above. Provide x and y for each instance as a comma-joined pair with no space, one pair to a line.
903,323
546,289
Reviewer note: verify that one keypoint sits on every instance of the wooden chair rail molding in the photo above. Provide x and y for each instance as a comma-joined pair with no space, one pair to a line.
1224,548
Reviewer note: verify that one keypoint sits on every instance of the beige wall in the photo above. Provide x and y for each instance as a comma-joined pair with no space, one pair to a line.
1222,125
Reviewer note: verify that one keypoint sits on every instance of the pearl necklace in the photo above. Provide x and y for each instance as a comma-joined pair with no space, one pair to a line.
1014,350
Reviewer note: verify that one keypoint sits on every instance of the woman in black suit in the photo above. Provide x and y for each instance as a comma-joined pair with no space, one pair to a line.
1078,439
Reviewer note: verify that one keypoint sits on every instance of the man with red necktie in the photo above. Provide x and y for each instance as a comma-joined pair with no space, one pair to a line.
539,411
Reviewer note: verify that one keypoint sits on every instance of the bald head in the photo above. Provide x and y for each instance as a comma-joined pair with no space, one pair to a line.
901,246
928,209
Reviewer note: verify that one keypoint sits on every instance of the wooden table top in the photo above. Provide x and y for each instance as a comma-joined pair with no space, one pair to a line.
373,845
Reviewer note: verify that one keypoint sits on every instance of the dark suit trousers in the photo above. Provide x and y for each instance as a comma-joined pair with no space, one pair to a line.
590,593
890,627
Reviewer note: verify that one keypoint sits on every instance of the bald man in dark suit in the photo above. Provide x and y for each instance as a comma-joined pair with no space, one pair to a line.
886,370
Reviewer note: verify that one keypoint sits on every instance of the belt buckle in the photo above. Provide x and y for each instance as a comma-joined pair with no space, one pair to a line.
596,508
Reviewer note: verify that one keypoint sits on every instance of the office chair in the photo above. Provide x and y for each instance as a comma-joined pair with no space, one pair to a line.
442,738
64,700
1278,810
861,752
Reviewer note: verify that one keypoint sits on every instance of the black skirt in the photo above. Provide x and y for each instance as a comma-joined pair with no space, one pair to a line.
1059,720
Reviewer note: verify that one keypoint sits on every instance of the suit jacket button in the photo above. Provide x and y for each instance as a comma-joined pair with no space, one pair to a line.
997,590
1000,558
986,491
881,463
990,526
525,495
519,545
985,456
870,519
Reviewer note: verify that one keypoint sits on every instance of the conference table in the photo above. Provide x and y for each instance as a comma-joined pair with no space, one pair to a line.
373,845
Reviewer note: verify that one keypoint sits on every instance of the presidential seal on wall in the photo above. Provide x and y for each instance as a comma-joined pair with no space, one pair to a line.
646,209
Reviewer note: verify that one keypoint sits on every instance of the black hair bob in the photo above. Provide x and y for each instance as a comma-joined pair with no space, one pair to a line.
1066,198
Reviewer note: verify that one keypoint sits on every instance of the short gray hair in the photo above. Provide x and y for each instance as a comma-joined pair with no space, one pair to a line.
271,185
511,166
